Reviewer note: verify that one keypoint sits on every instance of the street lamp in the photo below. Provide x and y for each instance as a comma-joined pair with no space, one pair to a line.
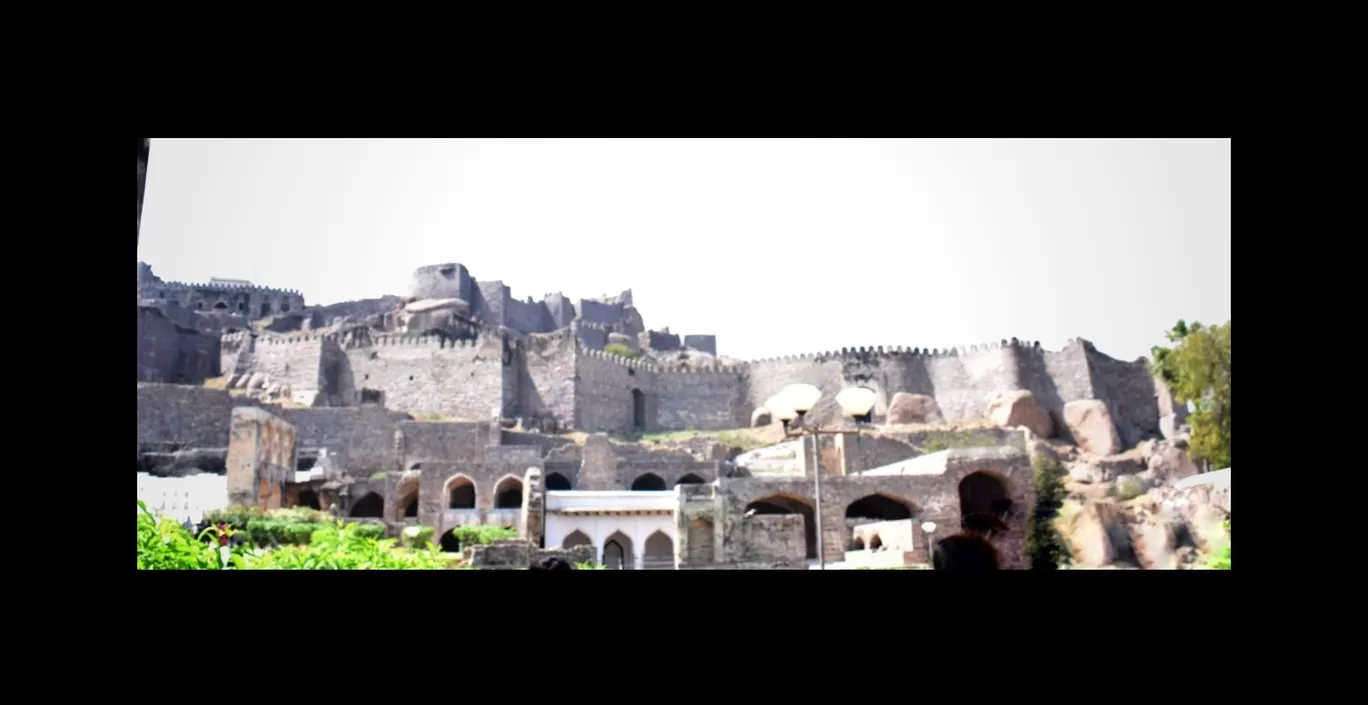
800,399
781,410
930,529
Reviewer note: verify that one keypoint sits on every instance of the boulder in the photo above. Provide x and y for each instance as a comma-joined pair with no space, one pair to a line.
907,408
761,417
1018,407
1091,425
257,381
1169,462
1098,536
1086,474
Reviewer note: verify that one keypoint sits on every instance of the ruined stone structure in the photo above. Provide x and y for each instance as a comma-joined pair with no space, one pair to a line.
451,406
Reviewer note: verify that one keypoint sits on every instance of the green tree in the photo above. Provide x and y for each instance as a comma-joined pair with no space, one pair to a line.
1197,370
620,350
1044,545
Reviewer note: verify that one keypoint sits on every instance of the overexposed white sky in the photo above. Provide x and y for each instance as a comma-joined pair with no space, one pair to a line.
776,246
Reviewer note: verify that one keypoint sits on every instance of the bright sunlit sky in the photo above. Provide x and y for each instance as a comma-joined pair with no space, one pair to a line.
776,246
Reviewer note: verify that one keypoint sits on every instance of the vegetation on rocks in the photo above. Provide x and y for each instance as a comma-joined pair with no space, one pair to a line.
1197,370
620,350
1044,546
1222,561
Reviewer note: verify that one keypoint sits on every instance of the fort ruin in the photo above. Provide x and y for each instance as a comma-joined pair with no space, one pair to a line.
458,404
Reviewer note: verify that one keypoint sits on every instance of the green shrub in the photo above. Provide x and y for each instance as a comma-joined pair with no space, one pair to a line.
482,534
164,544
418,536
590,566
619,349
1044,545
1222,562
1129,487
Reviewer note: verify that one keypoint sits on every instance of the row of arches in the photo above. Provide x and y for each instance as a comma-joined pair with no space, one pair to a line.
618,553
985,504
651,482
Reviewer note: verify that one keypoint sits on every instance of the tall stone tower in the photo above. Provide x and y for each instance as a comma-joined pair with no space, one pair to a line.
261,458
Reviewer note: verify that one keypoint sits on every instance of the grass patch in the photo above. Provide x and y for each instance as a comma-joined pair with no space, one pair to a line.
937,441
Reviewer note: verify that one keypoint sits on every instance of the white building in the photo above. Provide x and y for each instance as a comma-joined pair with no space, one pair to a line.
628,530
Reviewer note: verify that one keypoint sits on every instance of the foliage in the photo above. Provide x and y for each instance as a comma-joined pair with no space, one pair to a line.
1222,562
418,536
277,527
1197,370
165,545
482,534
620,349
1129,487
1044,545
937,441
740,439
590,566
344,546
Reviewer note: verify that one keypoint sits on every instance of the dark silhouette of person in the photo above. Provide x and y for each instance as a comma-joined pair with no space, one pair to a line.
552,563
965,553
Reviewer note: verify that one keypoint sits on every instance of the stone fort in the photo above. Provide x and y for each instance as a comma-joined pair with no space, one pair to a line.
458,404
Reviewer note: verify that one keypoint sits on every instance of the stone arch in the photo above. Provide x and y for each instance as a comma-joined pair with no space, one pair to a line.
700,549
459,491
875,543
508,494
648,482
308,498
371,506
691,479
576,538
985,502
556,482
449,542
408,495
856,543
658,552
881,506
265,308
965,553
221,306
638,410
617,552
789,504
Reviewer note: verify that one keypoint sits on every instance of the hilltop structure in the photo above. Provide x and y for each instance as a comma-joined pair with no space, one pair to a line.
454,404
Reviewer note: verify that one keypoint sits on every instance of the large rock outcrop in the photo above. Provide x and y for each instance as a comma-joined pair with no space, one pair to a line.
1092,427
907,408
1018,407
1171,462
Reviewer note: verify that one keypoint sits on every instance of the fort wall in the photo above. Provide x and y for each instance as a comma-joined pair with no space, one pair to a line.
547,376
462,379
604,399
171,353
706,399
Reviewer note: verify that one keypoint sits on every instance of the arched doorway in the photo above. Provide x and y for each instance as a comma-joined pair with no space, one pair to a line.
576,538
985,504
308,498
460,492
220,306
450,544
658,553
371,506
784,504
508,494
638,410
691,479
649,482
617,552
700,546
965,553
880,507
410,507
556,482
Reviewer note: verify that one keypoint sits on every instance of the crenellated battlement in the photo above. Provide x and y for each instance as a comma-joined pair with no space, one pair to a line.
230,288
900,352
684,368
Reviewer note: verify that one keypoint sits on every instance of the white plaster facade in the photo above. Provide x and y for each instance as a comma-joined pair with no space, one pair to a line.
642,525
183,498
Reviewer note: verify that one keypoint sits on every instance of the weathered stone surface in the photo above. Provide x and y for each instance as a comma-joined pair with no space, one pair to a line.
907,408
1099,536
1086,474
1091,425
1170,462
1010,409
761,417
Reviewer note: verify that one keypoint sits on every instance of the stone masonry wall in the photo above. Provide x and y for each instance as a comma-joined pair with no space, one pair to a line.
703,400
1130,392
603,394
171,353
426,375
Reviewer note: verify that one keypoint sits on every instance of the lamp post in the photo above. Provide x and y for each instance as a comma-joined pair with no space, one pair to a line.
930,529
795,401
